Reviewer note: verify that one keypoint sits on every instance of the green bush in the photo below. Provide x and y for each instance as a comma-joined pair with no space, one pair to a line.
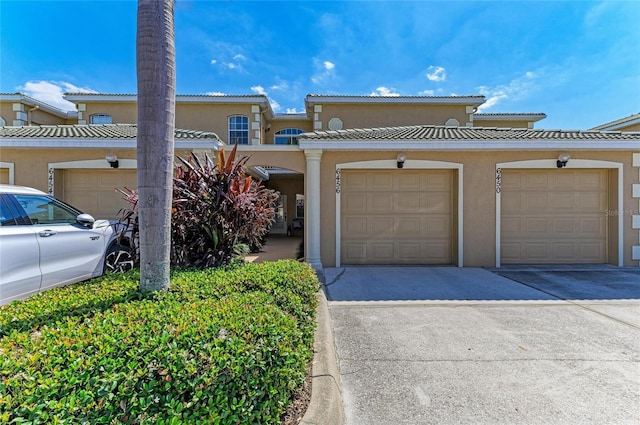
221,347
218,212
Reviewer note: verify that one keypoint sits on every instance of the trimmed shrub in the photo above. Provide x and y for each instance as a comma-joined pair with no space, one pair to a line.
221,347
218,212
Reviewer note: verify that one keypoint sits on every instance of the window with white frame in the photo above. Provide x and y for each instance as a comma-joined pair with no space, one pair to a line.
100,119
287,136
238,130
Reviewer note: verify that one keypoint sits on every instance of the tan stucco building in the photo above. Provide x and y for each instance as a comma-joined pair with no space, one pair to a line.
376,180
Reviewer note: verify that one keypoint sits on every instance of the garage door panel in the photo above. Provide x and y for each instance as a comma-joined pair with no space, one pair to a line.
406,181
534,201
537,226
439,202
560,223
380,181
4,176
535,181
409,202
356,203
593,226
356,226
93,191
438,226
355,181
410,224
439,180
511,224
355,252
381,227
381,251
380,203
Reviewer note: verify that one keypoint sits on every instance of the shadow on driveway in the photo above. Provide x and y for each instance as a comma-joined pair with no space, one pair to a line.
395,283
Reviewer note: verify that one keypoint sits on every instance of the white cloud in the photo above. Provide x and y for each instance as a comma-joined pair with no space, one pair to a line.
325,71
282,85
294,111
234,64
518,88
426,93
258,90
437,73
51,92
385,91
215,93
274,105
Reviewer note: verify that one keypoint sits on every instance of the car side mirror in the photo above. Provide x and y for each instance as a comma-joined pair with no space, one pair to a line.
85,220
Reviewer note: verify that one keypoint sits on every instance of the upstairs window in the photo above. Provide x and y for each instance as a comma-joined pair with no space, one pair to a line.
287,136
100,119
238,130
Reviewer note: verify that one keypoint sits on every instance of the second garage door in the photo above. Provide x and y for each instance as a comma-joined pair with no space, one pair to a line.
93,191
554,216
397,217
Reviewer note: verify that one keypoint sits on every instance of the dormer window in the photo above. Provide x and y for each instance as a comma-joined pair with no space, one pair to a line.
100,119
287,136
238,130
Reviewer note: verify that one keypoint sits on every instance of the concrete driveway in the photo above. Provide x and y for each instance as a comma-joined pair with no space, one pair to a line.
441,345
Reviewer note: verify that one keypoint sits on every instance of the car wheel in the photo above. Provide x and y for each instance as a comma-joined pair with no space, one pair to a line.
118,259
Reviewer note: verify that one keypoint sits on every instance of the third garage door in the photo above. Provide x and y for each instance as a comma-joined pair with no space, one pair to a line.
554,216
397,217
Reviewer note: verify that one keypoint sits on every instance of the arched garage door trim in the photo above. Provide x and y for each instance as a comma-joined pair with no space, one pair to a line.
551,164
411,164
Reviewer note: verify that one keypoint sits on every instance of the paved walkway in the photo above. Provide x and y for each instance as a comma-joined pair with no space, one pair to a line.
431,345
276,248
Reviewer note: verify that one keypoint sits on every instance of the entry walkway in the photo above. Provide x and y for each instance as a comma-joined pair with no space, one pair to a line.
276,248
440,345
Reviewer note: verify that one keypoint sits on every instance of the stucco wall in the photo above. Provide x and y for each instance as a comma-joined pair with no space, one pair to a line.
390,115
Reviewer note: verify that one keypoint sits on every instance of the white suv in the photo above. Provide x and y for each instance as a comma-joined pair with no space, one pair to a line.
45,243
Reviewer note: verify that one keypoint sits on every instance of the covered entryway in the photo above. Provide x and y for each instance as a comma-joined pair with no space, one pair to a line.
554,216
397,216
93,190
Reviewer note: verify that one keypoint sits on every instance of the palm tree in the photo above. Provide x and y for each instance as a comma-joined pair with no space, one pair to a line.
155,62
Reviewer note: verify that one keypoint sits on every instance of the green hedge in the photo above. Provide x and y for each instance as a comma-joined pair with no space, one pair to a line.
221,347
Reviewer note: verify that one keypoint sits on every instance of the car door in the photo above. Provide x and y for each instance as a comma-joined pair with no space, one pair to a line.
19,255
69,252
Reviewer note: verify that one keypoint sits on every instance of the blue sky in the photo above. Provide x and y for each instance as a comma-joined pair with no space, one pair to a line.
576,61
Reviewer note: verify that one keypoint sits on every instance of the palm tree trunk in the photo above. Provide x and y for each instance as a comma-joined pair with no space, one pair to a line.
155,62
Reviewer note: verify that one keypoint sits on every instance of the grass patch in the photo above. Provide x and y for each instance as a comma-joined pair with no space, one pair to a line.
221,347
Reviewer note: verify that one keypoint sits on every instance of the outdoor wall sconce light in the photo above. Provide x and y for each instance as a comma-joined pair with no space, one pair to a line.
112,160
563,158
401,159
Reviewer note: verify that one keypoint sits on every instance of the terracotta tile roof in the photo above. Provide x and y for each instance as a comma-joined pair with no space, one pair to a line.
443,133
92,131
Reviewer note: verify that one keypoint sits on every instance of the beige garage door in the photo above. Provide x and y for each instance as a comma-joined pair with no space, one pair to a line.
554,216
396,217
4,176
92,191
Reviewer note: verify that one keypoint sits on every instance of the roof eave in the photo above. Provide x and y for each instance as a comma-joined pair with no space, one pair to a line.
467,145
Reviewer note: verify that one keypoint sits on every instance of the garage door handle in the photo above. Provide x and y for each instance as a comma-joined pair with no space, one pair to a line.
46,233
